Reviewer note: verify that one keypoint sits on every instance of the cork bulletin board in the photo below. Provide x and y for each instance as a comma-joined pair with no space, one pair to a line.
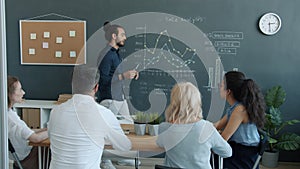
52,42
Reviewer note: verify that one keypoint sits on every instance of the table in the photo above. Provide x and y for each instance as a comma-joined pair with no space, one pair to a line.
139,143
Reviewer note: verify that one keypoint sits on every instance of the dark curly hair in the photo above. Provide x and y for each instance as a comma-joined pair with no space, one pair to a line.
247,92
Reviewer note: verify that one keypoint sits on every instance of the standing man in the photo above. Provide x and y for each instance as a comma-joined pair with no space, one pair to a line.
112,75
111,93
79,128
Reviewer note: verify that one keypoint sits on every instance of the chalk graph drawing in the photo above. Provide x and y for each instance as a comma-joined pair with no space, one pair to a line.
162,48
163,41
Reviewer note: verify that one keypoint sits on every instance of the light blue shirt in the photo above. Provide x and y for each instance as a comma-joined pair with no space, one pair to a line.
246,134
189,145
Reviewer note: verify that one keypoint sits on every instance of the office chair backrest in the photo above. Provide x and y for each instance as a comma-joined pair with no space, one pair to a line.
10,147
263,141
216,163
14,154
262,146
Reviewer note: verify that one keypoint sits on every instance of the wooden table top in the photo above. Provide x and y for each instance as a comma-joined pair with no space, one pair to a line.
140,143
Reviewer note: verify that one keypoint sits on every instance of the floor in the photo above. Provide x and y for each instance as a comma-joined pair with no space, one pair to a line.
148,163
284,165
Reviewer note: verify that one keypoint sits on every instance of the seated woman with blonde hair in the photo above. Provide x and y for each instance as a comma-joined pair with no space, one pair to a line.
187,138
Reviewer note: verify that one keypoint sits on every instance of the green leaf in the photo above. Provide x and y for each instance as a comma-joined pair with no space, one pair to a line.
288,141
140,117
155,118
292,122
275,96
272,140
275,116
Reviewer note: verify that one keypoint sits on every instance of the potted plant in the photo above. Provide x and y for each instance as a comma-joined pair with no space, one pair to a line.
278,140
140,120
154,120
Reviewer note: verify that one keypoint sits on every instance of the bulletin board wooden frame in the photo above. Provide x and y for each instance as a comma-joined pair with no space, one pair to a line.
53,42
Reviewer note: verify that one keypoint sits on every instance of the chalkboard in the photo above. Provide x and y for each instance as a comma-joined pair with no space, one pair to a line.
229,31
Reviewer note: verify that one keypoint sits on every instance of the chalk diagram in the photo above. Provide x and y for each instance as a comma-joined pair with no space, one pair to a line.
152,46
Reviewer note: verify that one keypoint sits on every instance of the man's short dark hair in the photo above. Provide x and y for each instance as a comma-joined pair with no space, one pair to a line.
110,29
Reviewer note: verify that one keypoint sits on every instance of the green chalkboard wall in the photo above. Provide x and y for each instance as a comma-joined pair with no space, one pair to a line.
230,26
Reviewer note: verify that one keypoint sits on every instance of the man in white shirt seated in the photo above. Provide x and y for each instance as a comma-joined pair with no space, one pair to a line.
79,128
121,111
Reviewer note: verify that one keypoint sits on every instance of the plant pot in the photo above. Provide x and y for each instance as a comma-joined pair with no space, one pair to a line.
153,129
270,159
140,129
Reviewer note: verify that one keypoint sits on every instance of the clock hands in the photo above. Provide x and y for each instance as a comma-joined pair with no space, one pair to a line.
270,23
269,26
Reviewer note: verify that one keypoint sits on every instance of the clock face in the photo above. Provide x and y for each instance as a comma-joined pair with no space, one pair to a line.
270,23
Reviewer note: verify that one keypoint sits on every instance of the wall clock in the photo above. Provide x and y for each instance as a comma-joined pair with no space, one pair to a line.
269,23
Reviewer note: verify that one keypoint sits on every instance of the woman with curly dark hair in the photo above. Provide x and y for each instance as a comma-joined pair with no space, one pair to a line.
244,116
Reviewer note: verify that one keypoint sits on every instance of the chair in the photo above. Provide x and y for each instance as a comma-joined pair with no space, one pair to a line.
164,167
14,154
262,145
261,148
219,162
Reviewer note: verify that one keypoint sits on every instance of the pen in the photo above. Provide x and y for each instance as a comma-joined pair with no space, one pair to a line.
137,66
135,69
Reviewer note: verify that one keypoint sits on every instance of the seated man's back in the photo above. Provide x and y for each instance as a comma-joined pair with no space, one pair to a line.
78,130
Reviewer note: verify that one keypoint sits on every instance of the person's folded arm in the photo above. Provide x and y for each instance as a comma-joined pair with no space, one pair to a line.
39,130
234,122
221,123
220,146
119,141
116,136
38,137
